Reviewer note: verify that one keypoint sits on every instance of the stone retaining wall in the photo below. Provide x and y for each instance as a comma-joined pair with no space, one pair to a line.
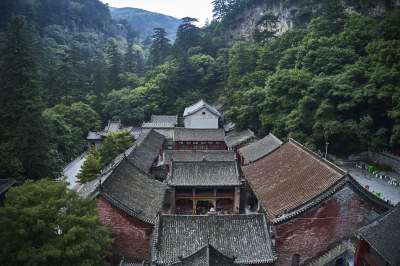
385,158
376,157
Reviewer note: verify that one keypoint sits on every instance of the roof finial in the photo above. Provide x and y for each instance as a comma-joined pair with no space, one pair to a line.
100,185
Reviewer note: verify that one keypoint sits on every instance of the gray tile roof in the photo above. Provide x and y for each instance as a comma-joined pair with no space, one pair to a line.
206,256
158,125
198,155
260,148
90,187
138,131
237,138
204,174
383,234
142,153
125,263
146,149
95,135
189,134
133,191
170,119
5,185
229,126
113,126
244,236
128,188
199,105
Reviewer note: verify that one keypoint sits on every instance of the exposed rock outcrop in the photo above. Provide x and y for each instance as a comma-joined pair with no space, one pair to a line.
289,17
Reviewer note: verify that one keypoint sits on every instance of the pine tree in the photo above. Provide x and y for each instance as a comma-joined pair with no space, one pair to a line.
187,35
160,47
45,223
99,83
221,8
114,58
134,59
21,101
114,144
90,168
66,81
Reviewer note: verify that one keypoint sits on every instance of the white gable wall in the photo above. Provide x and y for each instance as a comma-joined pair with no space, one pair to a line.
203,118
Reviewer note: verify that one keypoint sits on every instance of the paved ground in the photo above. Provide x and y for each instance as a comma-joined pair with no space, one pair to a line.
375,184
72,172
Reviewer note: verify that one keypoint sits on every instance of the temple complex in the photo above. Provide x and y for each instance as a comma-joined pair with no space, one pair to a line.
192,190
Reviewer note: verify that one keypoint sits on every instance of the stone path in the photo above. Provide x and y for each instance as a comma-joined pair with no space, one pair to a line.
72,171
375,184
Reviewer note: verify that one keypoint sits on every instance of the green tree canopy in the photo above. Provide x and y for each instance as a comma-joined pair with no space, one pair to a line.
80,118
160,48
125,104
187,35
114,58
114,144
222,7
90,167
45,223
21,102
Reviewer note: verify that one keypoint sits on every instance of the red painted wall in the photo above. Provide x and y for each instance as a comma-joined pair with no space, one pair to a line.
363,255
312,233
131,237
185,146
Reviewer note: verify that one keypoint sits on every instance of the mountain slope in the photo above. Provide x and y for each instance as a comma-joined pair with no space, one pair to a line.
280,16
145,21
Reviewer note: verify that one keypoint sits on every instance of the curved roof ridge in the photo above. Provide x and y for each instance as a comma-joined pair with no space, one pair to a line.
333,189
170,246
310,203
124,208
317,157
211,254
122,188
268,147
197,106
298,175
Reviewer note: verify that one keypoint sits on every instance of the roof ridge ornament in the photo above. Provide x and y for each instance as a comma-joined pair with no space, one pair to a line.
100,186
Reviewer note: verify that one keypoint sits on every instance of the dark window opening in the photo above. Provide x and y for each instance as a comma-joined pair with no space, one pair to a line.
339,262
296,260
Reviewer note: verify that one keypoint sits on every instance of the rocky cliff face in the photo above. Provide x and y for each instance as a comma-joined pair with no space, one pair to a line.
243,31
288,16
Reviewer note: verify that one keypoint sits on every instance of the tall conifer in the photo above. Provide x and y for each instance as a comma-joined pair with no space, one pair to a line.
160,47
21,102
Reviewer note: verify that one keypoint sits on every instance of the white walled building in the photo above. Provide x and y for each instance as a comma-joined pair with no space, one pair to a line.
201,115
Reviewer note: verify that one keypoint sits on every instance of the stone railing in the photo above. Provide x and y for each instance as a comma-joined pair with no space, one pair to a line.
345,245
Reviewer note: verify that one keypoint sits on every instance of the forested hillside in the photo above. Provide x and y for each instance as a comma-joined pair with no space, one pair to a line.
55,60
144,21
66,68
242,20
